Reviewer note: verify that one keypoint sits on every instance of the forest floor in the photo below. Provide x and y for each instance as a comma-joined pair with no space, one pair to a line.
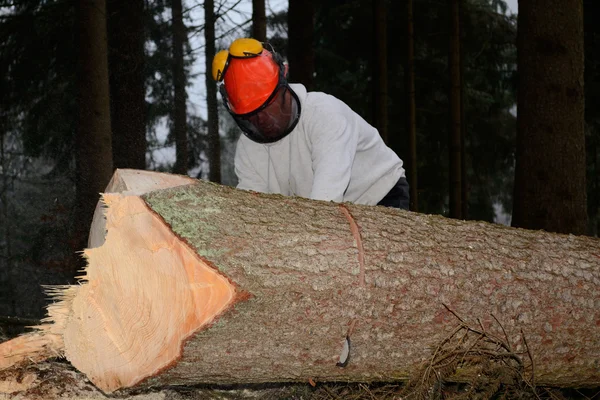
59,380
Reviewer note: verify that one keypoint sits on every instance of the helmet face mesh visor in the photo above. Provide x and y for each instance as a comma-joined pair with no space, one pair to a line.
275,119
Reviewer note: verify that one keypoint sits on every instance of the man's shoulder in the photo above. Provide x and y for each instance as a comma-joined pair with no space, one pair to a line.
321,98
311,99
320,106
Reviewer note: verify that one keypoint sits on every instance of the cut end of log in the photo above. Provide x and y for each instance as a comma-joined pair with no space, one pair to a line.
137,305
142,294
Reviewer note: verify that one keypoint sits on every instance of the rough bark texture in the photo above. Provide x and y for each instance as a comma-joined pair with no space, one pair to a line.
454,131
300,261
179,92
301,53
126,67
93,138
214,141
550,181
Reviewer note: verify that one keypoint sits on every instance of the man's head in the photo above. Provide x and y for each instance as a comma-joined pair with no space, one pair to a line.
255,90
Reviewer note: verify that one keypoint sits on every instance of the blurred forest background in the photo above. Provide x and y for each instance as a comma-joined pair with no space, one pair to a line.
88,86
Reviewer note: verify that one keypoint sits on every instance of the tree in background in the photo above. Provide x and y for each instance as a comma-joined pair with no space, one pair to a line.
259,20
455,147
411,117
464,187
127,92
39,114
93,147
380,70
345,70
550,175
179,40
591,15
489,88
38,61
160,90
214,143
301,42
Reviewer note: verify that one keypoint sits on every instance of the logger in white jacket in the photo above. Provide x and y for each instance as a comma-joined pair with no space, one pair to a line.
300,143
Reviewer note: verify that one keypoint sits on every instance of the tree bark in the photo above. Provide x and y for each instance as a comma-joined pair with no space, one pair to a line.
264,288
179,92
214,141
412,169
126,67
550,172
454,131
93,140
380,70
301,53
259,20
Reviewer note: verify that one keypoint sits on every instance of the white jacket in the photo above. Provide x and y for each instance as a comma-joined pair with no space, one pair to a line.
332,154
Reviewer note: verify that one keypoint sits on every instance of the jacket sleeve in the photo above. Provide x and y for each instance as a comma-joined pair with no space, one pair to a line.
248,176
334,139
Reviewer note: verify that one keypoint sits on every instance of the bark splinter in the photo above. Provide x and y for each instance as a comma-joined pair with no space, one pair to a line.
361,251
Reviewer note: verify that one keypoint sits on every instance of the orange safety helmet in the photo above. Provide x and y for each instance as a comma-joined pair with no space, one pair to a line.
250,81
250,74
255,90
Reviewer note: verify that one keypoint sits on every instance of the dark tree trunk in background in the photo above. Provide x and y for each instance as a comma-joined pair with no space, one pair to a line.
411,108
454,131
179,93
300,44
126,69
93,148
550,181
6,252
214,143
464,183
259,20
380,81
591,29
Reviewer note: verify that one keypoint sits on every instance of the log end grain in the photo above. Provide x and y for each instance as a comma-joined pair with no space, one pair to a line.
143,294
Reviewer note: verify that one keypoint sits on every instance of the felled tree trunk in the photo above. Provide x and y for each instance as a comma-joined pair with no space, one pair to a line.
207,284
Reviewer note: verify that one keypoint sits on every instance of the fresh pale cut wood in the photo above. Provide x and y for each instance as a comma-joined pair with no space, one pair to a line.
158,293
207,284
131,182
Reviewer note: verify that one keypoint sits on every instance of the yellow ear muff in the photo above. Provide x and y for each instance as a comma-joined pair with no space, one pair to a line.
219,65
240,48
245,47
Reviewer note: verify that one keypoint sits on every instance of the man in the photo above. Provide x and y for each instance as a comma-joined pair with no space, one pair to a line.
300,143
